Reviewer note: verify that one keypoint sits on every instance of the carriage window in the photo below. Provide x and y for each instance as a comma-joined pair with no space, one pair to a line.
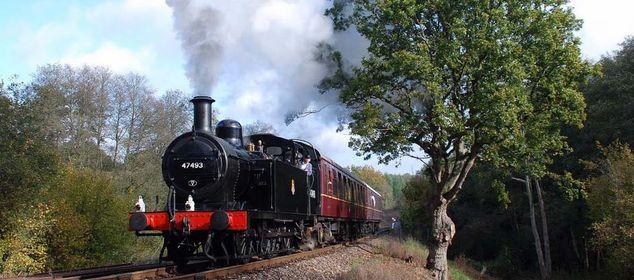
363,196
365,190
345,188
355,192
342,187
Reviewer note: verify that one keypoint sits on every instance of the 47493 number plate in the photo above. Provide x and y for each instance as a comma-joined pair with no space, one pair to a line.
193,165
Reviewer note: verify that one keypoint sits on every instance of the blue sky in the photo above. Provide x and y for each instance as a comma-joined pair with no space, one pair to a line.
137,35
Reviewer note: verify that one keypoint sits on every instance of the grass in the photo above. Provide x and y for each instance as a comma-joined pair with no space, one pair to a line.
456,272
411,251
408,250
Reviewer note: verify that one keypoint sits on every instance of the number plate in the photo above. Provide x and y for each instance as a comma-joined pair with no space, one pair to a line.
192,165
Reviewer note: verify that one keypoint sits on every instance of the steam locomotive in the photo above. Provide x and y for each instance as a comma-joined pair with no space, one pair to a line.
229,202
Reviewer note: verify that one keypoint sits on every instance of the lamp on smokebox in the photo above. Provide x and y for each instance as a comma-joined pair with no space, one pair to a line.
189,204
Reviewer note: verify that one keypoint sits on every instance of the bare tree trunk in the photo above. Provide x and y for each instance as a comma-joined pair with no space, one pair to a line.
516,226
538,245
587,257
575,248
443,230
545,237
598,259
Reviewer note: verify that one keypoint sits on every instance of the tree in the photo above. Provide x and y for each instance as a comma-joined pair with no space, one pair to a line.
377,181
453,80
89,224
416,194
28,160
397,183
258,127
610,101
75,108
24,249
553,103
611,204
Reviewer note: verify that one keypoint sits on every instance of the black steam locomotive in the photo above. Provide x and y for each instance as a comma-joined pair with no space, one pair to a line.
229,202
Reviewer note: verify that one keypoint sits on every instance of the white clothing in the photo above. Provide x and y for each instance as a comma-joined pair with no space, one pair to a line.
306,166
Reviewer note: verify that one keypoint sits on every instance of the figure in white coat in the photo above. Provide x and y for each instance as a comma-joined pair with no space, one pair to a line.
190,205
140,205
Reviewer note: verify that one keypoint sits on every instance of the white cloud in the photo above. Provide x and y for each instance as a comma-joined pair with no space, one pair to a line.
605,24
43,44
117,58
129,35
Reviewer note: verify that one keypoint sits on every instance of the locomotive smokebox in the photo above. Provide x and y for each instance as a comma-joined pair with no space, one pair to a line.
230,131
202,113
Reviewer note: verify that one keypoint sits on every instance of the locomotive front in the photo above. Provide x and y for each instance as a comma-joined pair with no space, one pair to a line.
205,166
205,174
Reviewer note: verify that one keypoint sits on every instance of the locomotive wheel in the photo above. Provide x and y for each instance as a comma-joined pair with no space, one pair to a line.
178,254
242,248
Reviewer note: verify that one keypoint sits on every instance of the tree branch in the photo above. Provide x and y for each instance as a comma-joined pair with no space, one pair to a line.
457,183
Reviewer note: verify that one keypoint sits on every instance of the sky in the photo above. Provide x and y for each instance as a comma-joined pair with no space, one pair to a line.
265,66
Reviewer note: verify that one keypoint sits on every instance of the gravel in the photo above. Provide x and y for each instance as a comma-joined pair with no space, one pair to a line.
338,265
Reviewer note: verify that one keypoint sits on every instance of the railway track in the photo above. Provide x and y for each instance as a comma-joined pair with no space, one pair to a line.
104,271
198,270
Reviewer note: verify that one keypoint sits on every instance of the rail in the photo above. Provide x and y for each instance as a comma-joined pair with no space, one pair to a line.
198,270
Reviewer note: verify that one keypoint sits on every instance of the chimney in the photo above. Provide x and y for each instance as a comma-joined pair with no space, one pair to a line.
202,113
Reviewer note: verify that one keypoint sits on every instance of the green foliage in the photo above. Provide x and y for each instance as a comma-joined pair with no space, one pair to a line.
611,203
82,143
23,249
377,181
90,225
456,274
431,62
414,214
397,183
501,193
27,161
610,100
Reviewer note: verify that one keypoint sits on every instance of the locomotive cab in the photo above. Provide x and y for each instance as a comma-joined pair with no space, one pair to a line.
284,156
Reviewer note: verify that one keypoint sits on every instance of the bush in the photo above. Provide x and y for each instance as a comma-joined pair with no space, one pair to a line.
90,225
23,250
415,216
611,203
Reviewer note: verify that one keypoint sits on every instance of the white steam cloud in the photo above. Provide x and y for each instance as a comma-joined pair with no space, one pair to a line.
197,30
258,59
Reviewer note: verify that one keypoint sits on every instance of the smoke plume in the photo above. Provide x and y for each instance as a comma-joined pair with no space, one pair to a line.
197,29
260,58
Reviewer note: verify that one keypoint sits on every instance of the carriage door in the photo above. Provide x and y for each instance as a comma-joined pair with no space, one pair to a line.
314,190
